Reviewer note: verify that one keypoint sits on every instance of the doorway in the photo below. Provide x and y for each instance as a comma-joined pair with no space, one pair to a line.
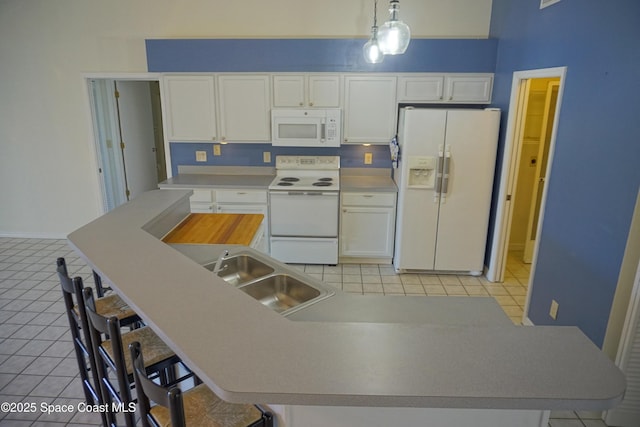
527,158
129,143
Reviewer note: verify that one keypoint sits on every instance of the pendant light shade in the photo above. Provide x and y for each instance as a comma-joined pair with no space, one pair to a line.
371,49
394,35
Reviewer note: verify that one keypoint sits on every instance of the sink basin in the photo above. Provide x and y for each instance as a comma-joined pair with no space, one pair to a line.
240,269
281,292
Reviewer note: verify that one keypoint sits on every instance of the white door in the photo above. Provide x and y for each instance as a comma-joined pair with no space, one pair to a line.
541,170
136,127
471,143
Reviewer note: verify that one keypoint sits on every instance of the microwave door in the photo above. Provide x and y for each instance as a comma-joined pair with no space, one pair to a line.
292,131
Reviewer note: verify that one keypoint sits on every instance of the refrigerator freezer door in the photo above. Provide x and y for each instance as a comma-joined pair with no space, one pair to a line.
421,132
471,140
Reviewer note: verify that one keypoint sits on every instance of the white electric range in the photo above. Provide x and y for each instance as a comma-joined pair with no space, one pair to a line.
304,209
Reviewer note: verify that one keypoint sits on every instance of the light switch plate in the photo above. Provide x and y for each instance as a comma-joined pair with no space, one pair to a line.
201,156
216,149
553,311
266,156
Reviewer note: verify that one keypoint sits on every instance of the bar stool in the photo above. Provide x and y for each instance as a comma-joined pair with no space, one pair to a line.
74,307
110,356
198,406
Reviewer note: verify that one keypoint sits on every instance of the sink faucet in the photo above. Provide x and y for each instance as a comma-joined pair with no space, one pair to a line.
218,268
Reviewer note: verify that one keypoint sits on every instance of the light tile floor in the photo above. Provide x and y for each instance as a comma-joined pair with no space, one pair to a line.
37,363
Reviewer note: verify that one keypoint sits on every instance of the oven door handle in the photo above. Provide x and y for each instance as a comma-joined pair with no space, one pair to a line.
295,193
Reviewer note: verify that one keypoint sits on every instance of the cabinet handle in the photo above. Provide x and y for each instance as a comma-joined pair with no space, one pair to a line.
311,104
451,98
368,196
213,138
441,97
223,138
241,193
301,104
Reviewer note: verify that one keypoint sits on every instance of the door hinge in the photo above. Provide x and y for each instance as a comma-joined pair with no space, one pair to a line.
116,94
508,197
122,145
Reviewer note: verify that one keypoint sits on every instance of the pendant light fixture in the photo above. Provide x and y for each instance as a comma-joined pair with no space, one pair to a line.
394,35
371,49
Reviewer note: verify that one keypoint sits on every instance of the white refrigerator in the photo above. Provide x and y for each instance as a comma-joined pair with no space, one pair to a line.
444,178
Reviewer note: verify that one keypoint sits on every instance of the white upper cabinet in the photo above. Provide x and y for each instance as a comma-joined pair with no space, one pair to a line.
324,91
369,109
469,88
244,102
288,91
298,90
445,88
190,108
420,88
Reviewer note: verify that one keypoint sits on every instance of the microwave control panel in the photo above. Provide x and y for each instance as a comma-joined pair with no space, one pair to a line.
332,131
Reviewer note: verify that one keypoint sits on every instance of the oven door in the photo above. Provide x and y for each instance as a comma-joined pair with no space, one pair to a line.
304,213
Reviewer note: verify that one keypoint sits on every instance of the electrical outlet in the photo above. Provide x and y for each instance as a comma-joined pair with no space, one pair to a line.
553,311
368,158
216,149
266,156
201,156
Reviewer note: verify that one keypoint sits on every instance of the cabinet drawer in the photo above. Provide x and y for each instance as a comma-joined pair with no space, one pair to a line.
241,196
368,199
205,196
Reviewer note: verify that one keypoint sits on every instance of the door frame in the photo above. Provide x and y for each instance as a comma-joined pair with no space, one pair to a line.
508,177
93,140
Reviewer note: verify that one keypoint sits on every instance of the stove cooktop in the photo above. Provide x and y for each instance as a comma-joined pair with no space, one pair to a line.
307,173
316,182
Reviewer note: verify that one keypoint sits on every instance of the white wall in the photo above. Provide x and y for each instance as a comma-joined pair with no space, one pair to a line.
48,178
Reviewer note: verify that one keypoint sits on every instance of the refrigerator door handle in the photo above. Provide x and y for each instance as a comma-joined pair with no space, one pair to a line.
445,174
439,168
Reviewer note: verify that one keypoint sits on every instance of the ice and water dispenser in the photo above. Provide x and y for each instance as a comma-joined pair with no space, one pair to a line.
422,171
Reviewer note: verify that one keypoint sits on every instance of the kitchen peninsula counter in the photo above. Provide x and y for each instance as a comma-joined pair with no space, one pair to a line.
247,353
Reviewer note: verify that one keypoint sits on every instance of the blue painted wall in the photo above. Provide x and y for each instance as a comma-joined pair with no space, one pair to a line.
351,156
316,55
596,169
305,55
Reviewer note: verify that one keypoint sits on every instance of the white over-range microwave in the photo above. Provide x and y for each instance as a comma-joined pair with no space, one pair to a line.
292,127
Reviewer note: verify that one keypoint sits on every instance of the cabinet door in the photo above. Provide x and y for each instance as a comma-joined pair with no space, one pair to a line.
190,111
324,91
288,91
245,103
367,232
469,89
370,109
420,88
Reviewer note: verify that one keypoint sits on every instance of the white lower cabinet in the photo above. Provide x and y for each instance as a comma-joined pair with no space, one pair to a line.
202,201
367,227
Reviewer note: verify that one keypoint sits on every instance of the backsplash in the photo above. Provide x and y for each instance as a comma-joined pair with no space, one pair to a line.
351,156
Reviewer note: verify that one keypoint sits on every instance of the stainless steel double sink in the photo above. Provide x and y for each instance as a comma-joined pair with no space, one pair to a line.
275,285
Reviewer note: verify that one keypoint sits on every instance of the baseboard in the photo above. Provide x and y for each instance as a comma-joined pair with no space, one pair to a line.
27,235
527,322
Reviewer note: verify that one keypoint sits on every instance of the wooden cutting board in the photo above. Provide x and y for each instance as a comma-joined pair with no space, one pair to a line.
231,229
